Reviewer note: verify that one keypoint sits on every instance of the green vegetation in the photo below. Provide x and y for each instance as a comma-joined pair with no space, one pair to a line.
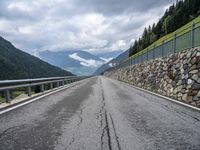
174,19
16,93
168,37
16,64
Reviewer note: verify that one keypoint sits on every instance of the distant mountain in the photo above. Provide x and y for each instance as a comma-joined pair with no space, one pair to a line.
16,64
112,63
76,61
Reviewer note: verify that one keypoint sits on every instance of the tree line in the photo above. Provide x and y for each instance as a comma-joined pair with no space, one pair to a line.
177,15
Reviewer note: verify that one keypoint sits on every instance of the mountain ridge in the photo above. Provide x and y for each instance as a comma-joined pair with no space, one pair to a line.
79,62
17,64
112,63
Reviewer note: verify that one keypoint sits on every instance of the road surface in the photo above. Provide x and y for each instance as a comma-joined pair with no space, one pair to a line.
100,114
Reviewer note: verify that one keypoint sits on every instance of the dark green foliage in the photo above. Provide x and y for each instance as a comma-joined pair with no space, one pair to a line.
16,64
175,17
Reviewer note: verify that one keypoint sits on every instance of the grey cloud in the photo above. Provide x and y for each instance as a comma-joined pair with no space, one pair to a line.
115,7
76,24
5,13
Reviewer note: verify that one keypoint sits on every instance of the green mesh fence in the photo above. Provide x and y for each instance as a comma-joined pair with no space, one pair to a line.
183,42
197,37
168,48
187,38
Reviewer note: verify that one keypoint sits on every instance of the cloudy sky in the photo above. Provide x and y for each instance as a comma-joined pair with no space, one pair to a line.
91,25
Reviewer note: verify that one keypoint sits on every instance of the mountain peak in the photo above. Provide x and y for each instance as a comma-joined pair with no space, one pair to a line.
77,61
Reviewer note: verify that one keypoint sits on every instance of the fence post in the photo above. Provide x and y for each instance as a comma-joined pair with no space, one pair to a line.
134,61
130,62
7,96
193,35
29,91
147,54
163,42
154,51
174,42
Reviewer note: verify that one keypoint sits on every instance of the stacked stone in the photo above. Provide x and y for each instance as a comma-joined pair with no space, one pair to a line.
176,76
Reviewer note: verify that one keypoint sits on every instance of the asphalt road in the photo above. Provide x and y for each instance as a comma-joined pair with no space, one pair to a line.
101,114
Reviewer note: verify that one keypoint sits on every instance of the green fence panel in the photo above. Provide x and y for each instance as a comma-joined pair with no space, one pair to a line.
197,37
133,61
168,48
145,57
158,51
140,59
150,54
136,60
184,41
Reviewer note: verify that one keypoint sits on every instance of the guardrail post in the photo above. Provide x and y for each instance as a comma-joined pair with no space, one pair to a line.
57,84
42,88
63,83
29,92
174,43
193,35
51,85
7,96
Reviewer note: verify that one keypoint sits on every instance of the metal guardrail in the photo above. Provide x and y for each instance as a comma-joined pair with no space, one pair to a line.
178,41
7,85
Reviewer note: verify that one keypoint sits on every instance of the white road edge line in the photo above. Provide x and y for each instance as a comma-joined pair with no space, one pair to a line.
164,97
37,98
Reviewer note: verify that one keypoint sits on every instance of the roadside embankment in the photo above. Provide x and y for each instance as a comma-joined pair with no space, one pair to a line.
176,76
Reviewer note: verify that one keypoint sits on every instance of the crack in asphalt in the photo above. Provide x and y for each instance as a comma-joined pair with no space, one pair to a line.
116,137
102,118
78,125
106,129
73,140
80,117
102,137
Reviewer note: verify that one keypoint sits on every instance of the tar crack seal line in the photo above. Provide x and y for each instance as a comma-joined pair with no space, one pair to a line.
104,115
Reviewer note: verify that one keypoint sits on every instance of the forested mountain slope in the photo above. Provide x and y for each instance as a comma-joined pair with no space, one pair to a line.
16,64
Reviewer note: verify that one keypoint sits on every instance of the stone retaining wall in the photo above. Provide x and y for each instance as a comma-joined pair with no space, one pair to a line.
176,76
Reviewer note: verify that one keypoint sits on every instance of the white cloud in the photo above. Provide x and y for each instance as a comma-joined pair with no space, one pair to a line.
106,59
25,30
19,6
88,25
85,62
